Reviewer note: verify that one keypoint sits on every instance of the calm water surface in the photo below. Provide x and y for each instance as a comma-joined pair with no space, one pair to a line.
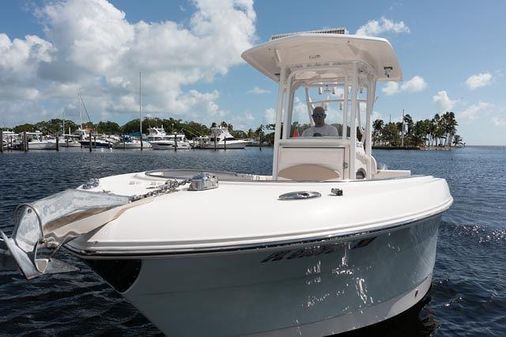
468,296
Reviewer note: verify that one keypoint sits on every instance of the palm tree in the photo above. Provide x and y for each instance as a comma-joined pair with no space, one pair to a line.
408,120
419,134
377,128
390,134
260,133
457,140
437,130
450,126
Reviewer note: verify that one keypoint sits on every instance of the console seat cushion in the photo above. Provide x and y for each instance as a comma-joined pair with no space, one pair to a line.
308,172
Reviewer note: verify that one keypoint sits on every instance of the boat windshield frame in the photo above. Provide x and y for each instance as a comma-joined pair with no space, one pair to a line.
354,75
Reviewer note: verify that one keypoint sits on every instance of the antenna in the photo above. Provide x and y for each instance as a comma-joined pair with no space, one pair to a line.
140,107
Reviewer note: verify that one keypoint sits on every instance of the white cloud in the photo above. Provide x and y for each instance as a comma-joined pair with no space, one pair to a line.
499,121
93,47
270,116
242,121
300,113
391,88
376,115
443,102
416,84
20,62
376,28
474,111
479,80
259,91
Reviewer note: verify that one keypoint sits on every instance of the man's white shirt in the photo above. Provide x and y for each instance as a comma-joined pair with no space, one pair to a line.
326,130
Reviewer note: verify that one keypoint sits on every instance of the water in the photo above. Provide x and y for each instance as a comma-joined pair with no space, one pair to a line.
468,295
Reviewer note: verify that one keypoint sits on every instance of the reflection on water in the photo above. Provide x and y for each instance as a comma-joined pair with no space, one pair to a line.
418,321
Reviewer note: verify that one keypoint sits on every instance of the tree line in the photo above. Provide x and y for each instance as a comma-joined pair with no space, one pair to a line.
439,131
191,129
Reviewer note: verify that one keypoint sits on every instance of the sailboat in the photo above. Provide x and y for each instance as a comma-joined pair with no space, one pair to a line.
88,137
129,142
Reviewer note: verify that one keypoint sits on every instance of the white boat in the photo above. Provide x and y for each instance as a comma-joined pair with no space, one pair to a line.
131,143
332,244
96,140
36,141
9,139
44,144
160,140
219,139
69,140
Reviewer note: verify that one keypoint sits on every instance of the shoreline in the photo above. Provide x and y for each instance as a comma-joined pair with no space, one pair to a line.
418,148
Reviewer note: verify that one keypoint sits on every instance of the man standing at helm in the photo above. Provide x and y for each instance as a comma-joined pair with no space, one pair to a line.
320,128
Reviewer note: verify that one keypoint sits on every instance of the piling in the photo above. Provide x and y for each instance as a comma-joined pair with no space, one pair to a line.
57,144
175,142
215,143
90,141
25,142
225,143
2,140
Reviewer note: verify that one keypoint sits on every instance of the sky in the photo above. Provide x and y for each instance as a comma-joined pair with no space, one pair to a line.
452,54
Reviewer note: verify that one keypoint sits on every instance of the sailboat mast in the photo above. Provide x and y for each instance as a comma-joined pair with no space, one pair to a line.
80,109
140,106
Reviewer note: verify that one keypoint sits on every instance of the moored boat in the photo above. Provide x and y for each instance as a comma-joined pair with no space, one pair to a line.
160,140
131,143
219,139
344,244
36,141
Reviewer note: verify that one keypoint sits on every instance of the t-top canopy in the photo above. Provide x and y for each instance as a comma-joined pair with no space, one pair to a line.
312,49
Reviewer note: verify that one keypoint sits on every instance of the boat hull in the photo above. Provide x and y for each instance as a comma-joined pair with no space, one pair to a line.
42,145
308,289
101,144
223,146
70,144
169,146
131,146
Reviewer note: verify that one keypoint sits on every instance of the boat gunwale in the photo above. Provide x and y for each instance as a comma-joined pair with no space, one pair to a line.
339,238
231,176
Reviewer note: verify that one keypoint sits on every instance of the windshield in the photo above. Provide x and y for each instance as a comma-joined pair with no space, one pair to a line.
321,109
